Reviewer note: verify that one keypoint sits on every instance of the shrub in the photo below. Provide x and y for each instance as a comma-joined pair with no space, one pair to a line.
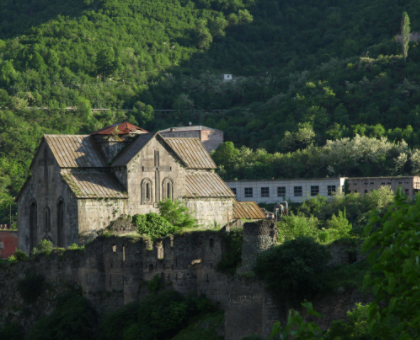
20,255
12,331
294,270
43,247
153,225
294,226
31,287
114,323
73,319
338,227
356,328
177,213
232,252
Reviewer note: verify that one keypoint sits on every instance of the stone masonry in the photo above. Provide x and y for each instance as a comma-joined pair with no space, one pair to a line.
112,271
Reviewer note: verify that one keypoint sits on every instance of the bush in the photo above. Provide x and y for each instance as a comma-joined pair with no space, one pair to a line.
20,255
232,252
43,247
31,287
355,329
294,226
12,331
73,319
177,213
153,225
114,323
294,270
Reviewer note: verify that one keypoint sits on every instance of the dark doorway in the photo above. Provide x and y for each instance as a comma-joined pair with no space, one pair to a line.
60,224
33,217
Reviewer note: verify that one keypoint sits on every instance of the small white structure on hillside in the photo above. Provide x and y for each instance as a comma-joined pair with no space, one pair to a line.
227,77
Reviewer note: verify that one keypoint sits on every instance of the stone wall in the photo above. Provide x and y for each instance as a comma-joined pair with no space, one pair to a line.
113,271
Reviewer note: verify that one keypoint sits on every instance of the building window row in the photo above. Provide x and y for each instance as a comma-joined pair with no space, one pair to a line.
281,191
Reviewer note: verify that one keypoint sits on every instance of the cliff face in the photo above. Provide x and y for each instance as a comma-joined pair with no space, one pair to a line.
111,272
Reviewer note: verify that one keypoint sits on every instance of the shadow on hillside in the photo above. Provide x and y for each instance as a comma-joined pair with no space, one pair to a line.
17,18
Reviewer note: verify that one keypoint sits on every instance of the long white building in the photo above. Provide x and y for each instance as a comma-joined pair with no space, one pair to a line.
294,190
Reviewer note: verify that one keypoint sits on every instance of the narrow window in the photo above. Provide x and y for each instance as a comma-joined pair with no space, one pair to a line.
331,190
211,243
114,248
233,190
297,191
407,192
47,219
168,190
150,267
281,192
265,192
314,190
248,192
147,191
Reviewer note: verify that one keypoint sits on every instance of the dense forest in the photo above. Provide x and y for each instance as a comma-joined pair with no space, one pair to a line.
304,72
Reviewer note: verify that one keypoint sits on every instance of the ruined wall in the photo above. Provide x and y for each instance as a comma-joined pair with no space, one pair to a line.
46,189
113,271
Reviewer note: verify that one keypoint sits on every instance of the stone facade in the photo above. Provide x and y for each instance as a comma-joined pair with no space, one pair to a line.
79,184
112,273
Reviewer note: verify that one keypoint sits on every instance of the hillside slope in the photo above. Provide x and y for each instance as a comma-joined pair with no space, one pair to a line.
303,67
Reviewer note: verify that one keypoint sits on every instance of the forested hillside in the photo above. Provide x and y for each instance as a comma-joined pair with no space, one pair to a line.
306,71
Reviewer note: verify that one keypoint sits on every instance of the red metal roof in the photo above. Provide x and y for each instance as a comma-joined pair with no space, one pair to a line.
123,128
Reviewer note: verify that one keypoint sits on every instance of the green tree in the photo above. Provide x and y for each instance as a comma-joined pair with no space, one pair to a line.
176,213
405,34
105,60
295,270
393,243
153,225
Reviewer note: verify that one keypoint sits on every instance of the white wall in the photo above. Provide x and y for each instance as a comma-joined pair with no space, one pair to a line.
289,184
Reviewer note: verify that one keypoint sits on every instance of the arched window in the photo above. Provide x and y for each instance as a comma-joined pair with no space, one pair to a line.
146,191
33,222
47,219
60,223
167,188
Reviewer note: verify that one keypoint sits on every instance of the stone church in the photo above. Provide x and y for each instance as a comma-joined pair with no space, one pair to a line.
80,183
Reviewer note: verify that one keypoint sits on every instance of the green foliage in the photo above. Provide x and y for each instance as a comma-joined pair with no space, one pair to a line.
394,246
294,270
204,328
12,331
153,225
356,327
232,252
176,213
31,287
297,327
294,226
20,255
158,316
74,246
43,247
74,318
405,34
155,284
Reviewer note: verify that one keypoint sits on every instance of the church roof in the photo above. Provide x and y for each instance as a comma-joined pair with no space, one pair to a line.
247,210
192,152
206,184
188,128
94,185
123,129
75,151
128,154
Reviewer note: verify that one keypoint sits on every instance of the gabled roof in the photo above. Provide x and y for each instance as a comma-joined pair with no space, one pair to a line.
192,152
206,184
74,151
248,211
123,129
94,185
133,149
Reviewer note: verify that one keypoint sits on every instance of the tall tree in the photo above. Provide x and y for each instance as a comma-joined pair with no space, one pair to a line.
405,34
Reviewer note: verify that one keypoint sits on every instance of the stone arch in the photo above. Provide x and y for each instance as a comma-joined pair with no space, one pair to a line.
33,222
60,222
146,191
168,188
47,219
